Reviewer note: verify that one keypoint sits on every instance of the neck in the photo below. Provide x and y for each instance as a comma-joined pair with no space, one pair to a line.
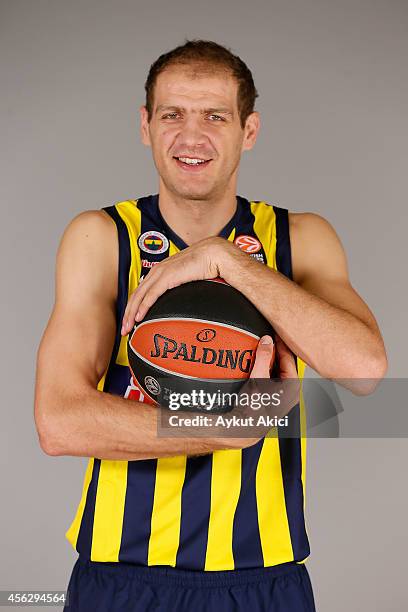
194,220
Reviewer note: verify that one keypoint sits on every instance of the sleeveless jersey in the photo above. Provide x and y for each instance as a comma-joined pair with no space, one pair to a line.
229,509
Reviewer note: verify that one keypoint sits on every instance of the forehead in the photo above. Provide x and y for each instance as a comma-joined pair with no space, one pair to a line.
195,85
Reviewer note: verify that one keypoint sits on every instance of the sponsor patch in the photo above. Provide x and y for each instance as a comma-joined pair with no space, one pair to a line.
249,244
149,264
133,391
153,242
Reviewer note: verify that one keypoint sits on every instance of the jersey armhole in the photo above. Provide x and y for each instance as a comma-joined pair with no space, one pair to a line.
283,250
123,281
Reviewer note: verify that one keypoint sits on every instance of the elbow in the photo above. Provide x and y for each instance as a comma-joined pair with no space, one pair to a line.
361,375
370,374
47,427
380,366
49,446
377,366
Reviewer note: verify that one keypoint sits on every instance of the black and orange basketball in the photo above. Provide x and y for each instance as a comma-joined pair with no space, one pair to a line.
200,335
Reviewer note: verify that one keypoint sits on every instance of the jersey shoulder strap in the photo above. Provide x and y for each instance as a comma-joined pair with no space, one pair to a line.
271,226
127,218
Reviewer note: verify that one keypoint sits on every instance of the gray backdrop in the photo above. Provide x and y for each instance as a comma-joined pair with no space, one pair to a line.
333,99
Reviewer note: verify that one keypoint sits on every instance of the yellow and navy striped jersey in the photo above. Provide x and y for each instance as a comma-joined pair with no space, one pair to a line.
229,509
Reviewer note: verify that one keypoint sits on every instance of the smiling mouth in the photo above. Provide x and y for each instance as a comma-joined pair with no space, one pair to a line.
191,162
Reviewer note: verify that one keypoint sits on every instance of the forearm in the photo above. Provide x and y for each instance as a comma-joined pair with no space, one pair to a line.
106,426
331,340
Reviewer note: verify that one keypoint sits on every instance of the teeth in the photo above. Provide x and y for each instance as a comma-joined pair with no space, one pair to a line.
189,160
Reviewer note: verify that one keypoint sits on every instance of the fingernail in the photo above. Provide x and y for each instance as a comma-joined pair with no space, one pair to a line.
123,330
266,340
138,315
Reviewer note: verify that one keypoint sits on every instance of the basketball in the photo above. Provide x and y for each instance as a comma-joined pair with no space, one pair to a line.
200,335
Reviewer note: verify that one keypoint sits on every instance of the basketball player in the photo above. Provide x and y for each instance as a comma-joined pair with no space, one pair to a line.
192,524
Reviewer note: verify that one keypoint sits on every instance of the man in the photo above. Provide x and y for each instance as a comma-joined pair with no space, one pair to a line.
182,524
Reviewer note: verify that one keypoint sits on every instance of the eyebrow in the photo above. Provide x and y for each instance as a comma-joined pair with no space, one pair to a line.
212,110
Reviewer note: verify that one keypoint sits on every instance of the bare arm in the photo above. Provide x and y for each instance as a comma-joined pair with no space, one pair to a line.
72,416
319,316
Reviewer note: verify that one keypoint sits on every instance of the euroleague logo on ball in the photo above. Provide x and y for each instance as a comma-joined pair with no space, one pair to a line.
152,385
153,242
249,244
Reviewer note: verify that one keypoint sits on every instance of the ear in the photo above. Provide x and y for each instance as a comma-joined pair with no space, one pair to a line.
144,126
251,130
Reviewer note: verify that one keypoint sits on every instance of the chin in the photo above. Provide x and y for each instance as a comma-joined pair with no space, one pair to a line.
191,193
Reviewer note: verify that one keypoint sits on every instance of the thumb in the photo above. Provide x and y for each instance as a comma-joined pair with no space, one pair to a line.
263,358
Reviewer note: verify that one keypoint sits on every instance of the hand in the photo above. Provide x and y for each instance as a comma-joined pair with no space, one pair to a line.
200,261
289,381
265,354
260,384
240,436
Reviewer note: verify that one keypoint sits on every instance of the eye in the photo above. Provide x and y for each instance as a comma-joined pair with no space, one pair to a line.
170,116
216,117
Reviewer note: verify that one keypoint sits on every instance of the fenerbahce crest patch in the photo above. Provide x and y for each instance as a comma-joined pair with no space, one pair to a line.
153,242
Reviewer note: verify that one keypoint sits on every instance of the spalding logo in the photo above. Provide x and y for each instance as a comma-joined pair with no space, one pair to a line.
168,348
184,347
205,335
249,244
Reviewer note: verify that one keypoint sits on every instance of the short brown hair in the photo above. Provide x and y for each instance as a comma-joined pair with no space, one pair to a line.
206,52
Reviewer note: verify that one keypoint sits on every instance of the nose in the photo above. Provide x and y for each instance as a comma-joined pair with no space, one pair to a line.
192,133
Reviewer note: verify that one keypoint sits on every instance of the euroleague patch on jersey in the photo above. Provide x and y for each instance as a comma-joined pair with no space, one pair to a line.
258,256
153,242
249,244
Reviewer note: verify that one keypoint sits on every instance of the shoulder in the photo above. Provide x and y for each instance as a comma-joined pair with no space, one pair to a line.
95,221
89,246
90,227
314,244
309,225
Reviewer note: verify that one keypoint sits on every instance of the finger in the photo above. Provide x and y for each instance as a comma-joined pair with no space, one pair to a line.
263,358
149,299
287,363
129,314
131,309
162,283
290,394
137,296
